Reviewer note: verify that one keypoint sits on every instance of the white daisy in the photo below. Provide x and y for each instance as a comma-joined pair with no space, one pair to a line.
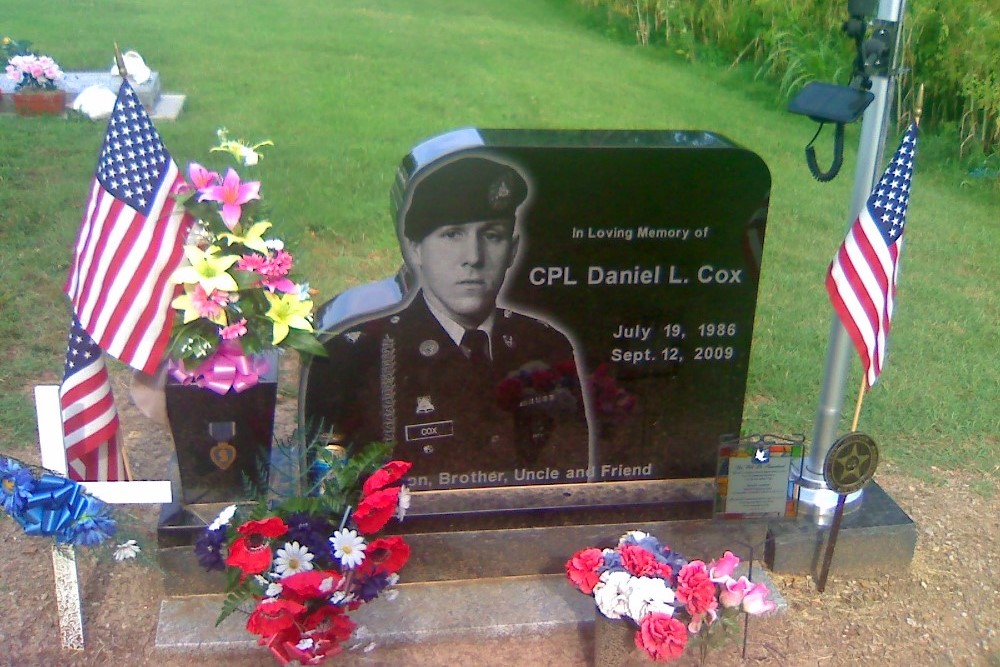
128,550
225,516
293,558
349,547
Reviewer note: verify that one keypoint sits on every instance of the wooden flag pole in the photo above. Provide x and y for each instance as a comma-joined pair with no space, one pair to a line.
861,398
919,110
120,62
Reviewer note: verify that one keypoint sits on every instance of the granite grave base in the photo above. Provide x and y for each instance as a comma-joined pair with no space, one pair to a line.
159,105
452,610
876,538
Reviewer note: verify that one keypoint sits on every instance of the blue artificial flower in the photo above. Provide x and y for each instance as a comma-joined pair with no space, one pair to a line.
93,527
208,549
16,485
612,563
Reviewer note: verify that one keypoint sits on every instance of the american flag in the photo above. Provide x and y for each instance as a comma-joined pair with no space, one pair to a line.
130,241
862,277
90,421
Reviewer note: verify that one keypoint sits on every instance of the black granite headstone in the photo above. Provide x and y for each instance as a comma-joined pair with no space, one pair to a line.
620,340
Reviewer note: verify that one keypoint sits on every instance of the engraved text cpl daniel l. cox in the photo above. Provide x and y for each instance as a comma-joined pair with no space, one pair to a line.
633,275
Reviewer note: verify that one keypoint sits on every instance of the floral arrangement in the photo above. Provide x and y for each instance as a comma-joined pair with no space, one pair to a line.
612,404
31,72
240,298
673,603
49,505
538,385
306,562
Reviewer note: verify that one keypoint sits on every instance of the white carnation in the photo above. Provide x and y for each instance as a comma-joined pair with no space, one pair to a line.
611,594
647,595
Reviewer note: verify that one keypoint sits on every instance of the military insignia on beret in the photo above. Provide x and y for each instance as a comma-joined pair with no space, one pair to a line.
424,405
394,319
429,348
353,336
507,313
508,340
500,193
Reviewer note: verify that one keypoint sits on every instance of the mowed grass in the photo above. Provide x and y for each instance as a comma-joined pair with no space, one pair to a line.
346,89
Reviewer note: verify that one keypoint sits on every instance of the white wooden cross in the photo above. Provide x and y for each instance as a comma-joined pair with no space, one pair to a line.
50,440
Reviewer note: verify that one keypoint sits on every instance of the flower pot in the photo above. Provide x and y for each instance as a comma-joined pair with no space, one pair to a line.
222,441
40,102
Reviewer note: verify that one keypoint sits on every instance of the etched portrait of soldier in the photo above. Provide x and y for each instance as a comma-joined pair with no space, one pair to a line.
471,391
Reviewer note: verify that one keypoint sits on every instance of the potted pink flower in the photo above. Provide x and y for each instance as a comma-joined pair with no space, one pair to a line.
35,88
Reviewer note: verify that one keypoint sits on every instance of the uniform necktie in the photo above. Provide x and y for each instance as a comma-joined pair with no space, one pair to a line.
476,343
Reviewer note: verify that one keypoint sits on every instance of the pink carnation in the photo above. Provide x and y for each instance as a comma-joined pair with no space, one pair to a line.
582,569
279,264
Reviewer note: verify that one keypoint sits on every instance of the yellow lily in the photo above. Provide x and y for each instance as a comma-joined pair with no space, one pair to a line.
207,270
288,312
254,238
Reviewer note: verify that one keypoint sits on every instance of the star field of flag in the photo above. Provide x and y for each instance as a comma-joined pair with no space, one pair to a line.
891,196
81,351
133,160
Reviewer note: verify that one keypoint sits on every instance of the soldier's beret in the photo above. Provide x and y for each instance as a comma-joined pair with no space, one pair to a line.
467,189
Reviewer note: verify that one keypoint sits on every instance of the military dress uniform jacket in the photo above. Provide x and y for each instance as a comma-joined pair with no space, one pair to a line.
401,378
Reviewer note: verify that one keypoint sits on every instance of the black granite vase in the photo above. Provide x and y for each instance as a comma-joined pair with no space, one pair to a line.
223,441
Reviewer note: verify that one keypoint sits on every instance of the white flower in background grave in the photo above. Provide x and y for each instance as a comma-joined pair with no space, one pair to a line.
404,503
127,550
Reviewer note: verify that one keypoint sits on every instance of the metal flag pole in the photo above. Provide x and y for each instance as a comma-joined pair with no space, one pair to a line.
815,496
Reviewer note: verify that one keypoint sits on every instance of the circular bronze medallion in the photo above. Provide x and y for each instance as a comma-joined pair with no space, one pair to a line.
850,463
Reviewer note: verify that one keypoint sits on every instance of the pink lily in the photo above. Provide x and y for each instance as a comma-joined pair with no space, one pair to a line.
201,177
233,195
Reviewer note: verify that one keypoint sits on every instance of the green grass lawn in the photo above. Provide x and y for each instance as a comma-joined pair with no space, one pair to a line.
346,89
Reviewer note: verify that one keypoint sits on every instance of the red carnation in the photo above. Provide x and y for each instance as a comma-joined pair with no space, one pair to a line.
330,621
388,474
375,511
582,569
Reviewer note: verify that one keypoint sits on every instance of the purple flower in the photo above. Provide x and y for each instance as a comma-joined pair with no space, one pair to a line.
208,549
311,532
372,586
